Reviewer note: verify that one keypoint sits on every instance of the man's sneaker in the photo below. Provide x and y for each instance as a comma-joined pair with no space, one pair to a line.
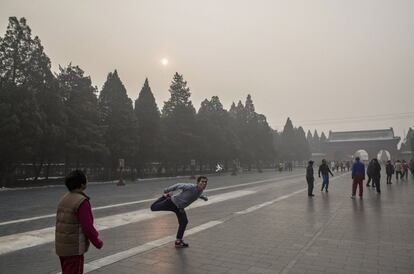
180,244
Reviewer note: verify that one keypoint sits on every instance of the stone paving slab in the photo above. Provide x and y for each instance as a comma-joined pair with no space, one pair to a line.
329,233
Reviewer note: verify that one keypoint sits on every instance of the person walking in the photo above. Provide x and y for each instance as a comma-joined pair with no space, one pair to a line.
411,166
358,176
398,169
290,166
177,202
369,172
309,178
74,225
325,171
376,174
389,169
404,167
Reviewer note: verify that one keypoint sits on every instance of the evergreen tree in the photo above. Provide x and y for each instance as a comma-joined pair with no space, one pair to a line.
309,138
20,129
28,84
217,138
408,143
249,110
277,144
254,135
287,141
322,140
239,126
302,147
83,142
316,142
118,119
148,118
411,142
233,110
178,124
265,149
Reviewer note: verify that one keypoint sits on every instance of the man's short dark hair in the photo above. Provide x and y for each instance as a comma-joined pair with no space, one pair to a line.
75,179
201,178
357,159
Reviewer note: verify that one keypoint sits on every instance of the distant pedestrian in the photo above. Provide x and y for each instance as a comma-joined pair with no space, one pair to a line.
404,167
290,166
325,171
333,165
341,164
376,174
389,169
280,167
358,176
398,169
309,178
348,165
411,166
369,172
74,225
179,201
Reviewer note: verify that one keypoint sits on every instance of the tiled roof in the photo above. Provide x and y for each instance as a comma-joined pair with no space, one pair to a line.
362,135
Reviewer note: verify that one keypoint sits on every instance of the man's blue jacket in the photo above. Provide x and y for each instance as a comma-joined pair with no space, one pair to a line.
358,169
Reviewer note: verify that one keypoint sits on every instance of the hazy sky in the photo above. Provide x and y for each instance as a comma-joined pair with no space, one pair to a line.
322,63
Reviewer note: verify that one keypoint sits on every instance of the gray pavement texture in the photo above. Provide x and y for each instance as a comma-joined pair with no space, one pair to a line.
329,233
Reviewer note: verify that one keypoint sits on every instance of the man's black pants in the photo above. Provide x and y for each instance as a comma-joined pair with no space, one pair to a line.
165,204
376,183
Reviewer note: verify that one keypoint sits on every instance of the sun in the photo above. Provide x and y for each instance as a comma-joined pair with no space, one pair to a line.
164,61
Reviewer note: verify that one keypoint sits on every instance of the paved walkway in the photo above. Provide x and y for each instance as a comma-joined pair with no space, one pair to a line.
329,233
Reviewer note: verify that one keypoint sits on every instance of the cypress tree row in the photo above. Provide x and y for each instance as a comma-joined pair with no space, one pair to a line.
60,122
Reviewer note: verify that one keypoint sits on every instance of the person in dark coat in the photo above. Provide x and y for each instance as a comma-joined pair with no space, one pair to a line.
324,169
376,174
389,169
369,173
309,178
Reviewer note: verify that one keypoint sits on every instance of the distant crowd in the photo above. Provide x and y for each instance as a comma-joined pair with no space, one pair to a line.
359,173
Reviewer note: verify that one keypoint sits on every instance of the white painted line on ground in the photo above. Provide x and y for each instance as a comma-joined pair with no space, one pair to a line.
94,209
255,182
28,239
146,200
105,261
97,264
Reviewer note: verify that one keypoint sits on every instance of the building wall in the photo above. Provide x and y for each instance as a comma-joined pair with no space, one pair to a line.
346,150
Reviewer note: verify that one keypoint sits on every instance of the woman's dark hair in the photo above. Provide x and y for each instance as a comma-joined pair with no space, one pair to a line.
75,179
